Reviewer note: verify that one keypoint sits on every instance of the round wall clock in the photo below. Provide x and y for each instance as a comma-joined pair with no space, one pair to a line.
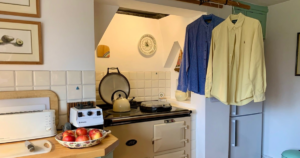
147,45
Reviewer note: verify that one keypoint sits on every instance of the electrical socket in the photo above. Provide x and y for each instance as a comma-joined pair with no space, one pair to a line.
266,156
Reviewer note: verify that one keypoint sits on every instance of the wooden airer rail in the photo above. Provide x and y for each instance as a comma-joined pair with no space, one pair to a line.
217,3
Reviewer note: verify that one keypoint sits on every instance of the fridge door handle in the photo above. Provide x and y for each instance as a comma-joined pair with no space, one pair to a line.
234,110
234,127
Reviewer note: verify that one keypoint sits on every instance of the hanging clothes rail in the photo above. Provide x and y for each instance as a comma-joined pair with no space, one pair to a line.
217,3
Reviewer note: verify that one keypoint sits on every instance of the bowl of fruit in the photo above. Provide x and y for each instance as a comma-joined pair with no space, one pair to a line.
81,137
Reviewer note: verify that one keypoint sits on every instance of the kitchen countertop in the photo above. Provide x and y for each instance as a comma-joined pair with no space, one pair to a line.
58,151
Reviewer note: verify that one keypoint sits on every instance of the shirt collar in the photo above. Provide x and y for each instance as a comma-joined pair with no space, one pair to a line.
240,20
210,16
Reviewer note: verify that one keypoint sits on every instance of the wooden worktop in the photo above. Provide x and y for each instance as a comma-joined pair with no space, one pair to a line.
106,146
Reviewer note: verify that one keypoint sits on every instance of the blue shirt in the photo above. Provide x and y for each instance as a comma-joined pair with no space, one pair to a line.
194,62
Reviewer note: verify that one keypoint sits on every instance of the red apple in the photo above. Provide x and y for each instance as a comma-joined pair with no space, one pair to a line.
82,138
95,134
68,133
68,138
81,131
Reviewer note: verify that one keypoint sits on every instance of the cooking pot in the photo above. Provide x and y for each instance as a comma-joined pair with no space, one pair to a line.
120,104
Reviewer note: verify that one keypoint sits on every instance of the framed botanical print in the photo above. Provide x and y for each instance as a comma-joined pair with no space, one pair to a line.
29,8
20,42
297,71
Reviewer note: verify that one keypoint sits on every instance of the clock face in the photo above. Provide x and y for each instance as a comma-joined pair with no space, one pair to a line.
147,45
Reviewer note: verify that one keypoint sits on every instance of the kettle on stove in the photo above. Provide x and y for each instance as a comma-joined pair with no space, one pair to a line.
120,104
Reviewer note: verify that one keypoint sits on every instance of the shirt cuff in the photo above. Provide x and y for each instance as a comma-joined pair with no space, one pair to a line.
182,88
207,94
259,97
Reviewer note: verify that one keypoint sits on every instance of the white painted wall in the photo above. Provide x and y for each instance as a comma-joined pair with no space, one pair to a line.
282,106
122,36
68,35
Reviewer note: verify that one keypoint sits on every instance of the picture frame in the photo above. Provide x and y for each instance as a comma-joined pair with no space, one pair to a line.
28,8
297,69
20,42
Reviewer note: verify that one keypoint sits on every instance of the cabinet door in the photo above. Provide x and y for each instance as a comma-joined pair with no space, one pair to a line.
178,154
246,136
262,17
169,136
251,108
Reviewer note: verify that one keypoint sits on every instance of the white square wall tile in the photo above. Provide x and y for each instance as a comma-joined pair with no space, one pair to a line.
73,77
7,89
155,84
140,92
88,77
140,99
74,92
168,83
98,96
168,75
140,75
148,75
133,93
162,83
154,75
140,84
154,98
148,92
161,75
133,83
63,107
168,92
24,88
24,78
7,79
148,98
61,91
42,88
154,91
148,83
97,85
133,75
41,78
89,91
63,119
99,76
58,78
162,90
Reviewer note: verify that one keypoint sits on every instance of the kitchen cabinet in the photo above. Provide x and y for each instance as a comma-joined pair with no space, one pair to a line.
178,154
256,12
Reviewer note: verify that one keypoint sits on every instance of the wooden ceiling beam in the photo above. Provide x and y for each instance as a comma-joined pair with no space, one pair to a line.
205,4
219,3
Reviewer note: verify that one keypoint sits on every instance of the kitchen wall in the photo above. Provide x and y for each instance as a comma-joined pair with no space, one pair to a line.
68,35
281,125
68,44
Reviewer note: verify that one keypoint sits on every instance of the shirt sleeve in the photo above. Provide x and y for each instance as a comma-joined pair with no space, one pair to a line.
257,66
184,66
209,73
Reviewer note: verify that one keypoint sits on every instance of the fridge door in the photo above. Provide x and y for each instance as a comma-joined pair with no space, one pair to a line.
246,136
251,108
169,136
178,154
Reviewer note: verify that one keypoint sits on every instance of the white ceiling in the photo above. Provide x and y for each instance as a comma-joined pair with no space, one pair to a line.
265,2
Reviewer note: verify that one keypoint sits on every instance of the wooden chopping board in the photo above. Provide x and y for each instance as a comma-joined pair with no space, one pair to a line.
54,101
19,149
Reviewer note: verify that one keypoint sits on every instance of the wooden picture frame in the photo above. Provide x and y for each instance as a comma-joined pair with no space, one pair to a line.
29,50
297,68
28,8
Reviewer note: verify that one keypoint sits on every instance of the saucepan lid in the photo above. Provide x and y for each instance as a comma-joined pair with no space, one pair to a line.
112,82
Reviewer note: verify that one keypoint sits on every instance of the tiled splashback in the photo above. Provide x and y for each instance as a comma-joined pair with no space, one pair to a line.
70,86
145,86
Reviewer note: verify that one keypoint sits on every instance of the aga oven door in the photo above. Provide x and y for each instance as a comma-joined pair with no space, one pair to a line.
178,154
169,136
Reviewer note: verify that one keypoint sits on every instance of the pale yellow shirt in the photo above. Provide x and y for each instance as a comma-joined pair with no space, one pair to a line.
236,72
